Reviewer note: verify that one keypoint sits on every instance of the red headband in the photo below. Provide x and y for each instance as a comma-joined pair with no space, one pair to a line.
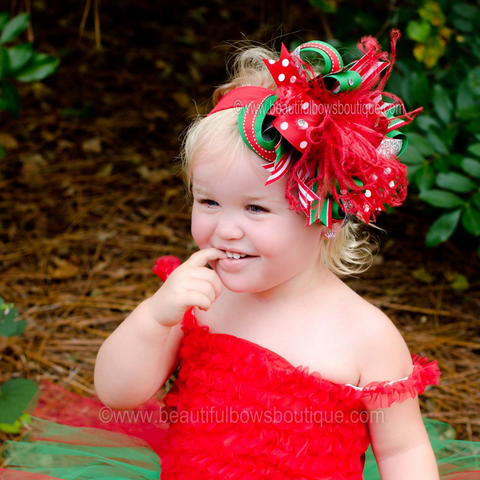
333,132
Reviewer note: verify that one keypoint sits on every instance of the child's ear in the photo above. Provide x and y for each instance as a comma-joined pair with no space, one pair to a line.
333,231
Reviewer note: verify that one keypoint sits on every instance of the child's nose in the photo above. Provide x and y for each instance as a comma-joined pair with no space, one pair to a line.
228,228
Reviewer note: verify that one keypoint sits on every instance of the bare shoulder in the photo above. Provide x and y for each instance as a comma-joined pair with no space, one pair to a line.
380,349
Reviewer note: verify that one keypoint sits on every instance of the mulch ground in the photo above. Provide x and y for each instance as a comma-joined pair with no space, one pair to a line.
90,196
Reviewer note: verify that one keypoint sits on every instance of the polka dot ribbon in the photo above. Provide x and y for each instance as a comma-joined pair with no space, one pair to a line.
271,127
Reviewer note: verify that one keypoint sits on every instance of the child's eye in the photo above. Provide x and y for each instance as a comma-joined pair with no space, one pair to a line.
257,209
209,203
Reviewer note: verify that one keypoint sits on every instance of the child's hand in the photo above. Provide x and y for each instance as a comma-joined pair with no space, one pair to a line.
189,285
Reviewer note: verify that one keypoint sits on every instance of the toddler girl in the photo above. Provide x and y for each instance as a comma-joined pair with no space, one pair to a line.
285,372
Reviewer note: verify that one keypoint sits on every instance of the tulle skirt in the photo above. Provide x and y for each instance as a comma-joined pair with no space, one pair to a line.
75,438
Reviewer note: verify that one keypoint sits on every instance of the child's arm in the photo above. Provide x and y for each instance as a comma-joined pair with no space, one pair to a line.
401,444
399,440
141,354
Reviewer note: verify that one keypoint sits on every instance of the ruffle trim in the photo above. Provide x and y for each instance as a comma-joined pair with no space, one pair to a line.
382,394
262,367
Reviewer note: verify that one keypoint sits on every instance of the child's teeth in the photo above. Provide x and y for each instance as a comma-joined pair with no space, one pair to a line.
235,255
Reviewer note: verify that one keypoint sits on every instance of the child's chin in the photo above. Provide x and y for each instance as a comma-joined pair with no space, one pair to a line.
238,286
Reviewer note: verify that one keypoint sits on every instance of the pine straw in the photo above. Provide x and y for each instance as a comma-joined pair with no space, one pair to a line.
76,258
87,205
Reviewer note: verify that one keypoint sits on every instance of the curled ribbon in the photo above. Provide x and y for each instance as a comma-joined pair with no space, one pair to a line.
342,164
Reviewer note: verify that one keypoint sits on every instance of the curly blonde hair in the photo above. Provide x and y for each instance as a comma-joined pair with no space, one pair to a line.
352,251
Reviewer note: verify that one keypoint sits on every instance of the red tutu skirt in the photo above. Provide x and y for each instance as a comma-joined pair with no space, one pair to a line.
75,438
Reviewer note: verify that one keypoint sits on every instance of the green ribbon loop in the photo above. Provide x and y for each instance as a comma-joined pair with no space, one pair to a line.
395,134
307,53
347,80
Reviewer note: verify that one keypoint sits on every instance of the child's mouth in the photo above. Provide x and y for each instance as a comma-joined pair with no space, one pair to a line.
237,256
235,259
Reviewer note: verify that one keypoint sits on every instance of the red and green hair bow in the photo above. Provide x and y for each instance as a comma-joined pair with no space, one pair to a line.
334,134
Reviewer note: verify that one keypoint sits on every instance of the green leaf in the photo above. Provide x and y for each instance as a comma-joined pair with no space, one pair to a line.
15,428
19,56
39,67
425,122
412,156
473,80
418,31
476,200
411,170
463,25
471,220
471,166
437,143
442,104
467,113
328,6
8,326
475,149
460,282
4,16
420,87
442,164
425,177
4,67
467,106
11,97
431,11
465,97
474,126
442,199
423,275
15,396
465,10
14,27
455,181
420,143
443,228
2,152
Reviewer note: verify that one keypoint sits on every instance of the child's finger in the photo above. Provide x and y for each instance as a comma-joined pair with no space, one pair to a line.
209,276
202,257
198,299
203,287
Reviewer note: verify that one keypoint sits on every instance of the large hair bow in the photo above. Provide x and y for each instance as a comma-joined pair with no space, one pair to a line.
334,132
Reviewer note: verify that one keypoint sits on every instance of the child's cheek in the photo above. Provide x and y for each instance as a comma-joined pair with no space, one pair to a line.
199,229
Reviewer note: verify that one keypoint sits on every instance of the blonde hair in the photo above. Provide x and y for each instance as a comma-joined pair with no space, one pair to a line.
352,251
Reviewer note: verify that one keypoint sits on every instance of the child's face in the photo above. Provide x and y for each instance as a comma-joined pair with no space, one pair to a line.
233,211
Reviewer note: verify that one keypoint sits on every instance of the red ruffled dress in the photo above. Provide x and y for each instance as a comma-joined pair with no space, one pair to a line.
237,411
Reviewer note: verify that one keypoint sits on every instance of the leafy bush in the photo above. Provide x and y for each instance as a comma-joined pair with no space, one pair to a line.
438,69
19,62
16,394
444,154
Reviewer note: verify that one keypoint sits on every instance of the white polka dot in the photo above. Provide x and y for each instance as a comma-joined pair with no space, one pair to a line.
271,62
281,77
366,208
388,170
368,193
302,124
374,177
285,62
293,79
305,105
392,184
303,145
284,126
